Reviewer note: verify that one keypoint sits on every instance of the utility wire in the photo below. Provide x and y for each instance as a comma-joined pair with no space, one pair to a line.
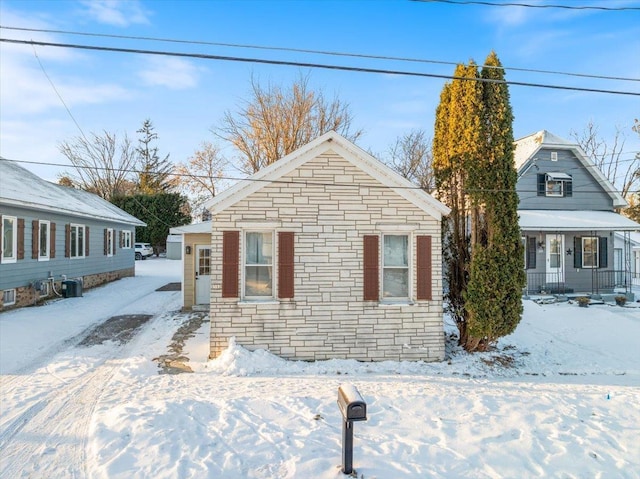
317,52
59,95
529,5
287,182
312,65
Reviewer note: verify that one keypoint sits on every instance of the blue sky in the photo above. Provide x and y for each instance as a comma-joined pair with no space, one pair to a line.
185,98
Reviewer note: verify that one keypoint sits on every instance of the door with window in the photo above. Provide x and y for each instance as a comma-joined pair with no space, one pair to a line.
203,274
555,258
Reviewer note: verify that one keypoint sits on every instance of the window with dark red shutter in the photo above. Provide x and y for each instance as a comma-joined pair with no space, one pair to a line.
424,268
370,267
35,238
52,240
20,238
230,259
285,264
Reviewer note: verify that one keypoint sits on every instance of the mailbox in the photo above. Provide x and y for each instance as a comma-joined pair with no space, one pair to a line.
351,404
353,408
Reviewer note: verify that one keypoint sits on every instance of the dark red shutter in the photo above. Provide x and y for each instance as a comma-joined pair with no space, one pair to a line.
86,241
20,238
67,240
35,239
52,240
230,259
285,264
423,268
371,273
106,241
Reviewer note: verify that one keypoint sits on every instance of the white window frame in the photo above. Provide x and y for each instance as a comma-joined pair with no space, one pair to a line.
245,265
550,182
6,293
75,228
595,253
126,239
47,225
111,241
14,240
408,267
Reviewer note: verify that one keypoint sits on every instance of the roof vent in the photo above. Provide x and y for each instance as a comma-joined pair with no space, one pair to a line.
554,156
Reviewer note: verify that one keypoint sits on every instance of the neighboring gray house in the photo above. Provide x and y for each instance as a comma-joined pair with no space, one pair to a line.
51,233
327,253
568,219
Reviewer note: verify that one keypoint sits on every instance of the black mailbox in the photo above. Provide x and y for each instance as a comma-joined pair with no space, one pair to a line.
351,404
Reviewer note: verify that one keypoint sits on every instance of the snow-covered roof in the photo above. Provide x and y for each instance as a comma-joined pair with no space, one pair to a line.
204,227
20,187
565,220
527,147
347,150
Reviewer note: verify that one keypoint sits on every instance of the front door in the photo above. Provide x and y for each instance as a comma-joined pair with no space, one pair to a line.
203,274
555,259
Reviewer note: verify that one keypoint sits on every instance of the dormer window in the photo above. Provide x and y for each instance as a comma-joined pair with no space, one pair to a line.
555,185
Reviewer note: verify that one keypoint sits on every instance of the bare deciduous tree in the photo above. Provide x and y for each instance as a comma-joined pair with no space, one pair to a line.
607,156
410,156
201,177
102,163
276,121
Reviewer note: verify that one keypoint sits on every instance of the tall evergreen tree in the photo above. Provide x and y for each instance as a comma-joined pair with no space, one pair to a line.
476,178
456,145
493,299
154,172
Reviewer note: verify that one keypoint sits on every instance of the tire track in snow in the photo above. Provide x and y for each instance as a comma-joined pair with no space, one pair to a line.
50,437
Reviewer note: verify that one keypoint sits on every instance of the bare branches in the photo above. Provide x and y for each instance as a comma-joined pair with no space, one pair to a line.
276,121
102,164
410,156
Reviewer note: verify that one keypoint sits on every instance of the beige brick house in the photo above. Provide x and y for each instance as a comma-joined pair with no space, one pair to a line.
327,253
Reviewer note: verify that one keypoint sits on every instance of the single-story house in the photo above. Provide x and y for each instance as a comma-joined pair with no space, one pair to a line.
327,253
174,246
51,235
568,219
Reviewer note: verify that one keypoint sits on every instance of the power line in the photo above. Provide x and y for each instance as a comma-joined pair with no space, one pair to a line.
287,182
312,65
529,5
316,52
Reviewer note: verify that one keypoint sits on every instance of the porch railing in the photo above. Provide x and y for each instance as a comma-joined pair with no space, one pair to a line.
599,282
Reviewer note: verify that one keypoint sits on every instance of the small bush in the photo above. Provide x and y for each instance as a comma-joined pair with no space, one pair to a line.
583,301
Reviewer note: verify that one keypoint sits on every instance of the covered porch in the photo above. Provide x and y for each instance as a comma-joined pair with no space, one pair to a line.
578,253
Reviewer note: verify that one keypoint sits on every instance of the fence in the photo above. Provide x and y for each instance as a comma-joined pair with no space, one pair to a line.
598,282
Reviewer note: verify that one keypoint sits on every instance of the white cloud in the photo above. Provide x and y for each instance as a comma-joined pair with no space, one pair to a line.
119,13
173,73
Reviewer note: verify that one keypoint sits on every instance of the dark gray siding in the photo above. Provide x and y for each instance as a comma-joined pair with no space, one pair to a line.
587,192
27,270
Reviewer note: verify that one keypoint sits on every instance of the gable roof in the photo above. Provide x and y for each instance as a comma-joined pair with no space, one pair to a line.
347,150
22,188
527,147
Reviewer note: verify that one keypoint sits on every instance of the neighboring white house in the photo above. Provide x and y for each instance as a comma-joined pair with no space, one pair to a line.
327,253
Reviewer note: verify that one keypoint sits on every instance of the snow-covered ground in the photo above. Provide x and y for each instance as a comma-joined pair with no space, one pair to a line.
558,398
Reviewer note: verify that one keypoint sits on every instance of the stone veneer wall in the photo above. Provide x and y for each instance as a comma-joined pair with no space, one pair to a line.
28,296
327,317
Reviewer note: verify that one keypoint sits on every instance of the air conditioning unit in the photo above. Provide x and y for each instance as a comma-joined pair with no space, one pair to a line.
72,288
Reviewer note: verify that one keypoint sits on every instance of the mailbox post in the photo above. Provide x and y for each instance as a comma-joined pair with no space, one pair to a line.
353,408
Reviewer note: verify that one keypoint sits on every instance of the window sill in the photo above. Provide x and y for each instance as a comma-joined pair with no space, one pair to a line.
398,303
254,302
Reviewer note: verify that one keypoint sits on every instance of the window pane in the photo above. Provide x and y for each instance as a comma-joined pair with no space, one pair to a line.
7,240
204,262
554,188
44,240
395,283
590,252
80,251
258,281
74,241
396,251
259,248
